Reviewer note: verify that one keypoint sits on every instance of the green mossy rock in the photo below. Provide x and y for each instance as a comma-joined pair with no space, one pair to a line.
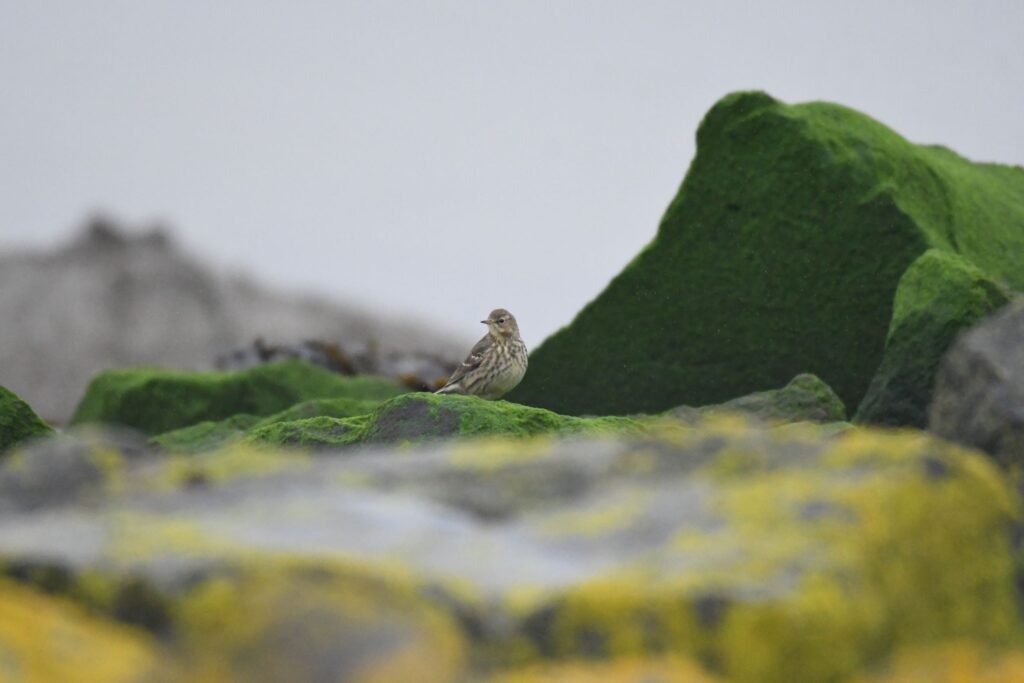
805,399
780,254
18,422
156,401
422,416
938,297
209,435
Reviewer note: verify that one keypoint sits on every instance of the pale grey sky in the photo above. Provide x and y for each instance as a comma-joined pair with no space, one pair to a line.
440,159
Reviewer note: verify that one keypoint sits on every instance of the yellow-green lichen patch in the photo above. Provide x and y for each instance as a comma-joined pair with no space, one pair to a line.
666,669
956,662
817,567
45,639
234,462
302,623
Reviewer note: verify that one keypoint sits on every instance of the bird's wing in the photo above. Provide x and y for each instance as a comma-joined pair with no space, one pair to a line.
473,360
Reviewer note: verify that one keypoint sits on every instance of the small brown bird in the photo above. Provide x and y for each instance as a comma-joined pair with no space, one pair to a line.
495,365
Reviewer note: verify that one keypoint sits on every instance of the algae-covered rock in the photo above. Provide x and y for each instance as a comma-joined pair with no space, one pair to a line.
45,639
333,423
208,435
667,669
156,401
938,297
805,398
979,391
421,416
765,555
18,422
780,254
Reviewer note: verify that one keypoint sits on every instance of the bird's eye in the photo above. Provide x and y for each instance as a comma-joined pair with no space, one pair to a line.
501,321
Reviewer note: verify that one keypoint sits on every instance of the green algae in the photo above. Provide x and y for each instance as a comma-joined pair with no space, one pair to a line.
805,399
780,254
210,435
421,416
156,401
939,296
18,422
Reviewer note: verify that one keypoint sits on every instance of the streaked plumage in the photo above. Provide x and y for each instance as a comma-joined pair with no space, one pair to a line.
495,364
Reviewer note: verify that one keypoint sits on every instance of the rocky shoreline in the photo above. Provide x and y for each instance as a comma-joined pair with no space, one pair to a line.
299,515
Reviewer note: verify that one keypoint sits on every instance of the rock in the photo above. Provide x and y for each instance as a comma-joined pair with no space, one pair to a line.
422,416
18,422
155,401
79,467
780,254
939,296
418,417
207,436
418,370
805,398
762,554
979,391
114,298
44,639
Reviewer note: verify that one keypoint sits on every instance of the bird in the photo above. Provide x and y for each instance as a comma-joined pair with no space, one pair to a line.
495,364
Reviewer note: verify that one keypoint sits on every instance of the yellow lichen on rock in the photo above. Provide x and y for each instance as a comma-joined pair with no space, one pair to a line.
45,639
959,662
302,622
626,670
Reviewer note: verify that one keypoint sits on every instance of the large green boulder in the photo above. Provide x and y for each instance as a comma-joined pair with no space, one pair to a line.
938,297
18,421
155,400
780,254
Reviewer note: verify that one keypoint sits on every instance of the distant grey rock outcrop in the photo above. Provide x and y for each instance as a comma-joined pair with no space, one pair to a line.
112,299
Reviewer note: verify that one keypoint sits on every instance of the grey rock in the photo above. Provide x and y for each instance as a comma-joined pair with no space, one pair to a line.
114,299
979,391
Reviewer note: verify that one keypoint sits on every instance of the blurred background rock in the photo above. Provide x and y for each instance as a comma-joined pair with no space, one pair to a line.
117,295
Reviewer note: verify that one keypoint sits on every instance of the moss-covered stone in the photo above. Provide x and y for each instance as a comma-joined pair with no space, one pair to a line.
938,297
421,416
780,254
45,639
156,401
207,436
805,398
18,422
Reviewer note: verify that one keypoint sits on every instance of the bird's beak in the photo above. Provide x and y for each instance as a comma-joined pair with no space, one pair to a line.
486,322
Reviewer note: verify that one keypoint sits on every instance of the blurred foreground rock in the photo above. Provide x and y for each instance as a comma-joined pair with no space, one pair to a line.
979,392
723,549
113,299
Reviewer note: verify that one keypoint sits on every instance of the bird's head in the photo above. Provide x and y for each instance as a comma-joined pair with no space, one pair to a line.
501,323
